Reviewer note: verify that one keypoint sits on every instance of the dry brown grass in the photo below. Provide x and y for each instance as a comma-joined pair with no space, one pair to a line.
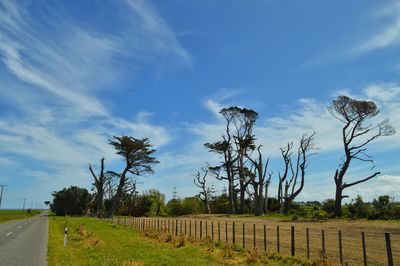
253,255
351,236
87,236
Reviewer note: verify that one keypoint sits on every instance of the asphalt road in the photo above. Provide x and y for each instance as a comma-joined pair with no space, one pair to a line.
24,242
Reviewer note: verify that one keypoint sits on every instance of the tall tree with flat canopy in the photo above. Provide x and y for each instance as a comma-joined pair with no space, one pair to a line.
242,121
137,155
238,140
357,133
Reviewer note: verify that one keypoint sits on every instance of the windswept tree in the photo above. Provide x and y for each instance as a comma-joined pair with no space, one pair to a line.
99,185
357,133
293,176
206,192
242,121
238,140
138,160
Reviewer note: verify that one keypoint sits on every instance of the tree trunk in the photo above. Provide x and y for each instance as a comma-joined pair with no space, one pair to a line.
286,205
117,197
280,195
242,195
266,199
338,200
99,203
231,196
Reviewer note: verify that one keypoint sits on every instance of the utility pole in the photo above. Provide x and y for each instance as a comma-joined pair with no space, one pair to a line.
23,206
1,193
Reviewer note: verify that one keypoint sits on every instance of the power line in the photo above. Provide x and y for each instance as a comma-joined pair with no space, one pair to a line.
1,193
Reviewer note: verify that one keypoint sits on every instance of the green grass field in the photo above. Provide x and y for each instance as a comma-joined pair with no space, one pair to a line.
94,242
9,215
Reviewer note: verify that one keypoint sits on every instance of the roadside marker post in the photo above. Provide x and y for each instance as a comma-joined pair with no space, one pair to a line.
65,236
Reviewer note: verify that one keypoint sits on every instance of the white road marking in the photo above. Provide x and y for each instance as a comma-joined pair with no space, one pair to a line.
9,233
19,227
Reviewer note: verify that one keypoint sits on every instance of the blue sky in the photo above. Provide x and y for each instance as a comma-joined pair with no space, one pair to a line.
73,74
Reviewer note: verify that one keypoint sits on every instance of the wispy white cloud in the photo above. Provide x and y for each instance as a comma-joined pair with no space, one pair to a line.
381,31
52,70
389,35
157,34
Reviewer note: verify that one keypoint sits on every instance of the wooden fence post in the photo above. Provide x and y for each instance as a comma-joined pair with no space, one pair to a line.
185,227
277,239
219,232
265,238
233,233
206,230
340,248
226,232
323,243
244,236
308,242
212,231
254,235
389,249
195,230
190,228
364,248
176,227
293,247
201,230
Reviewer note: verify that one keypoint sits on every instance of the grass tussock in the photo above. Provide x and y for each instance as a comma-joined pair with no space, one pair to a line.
87,236
164,236
253,255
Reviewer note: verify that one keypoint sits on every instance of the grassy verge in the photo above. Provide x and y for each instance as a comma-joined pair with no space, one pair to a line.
9,215
93,242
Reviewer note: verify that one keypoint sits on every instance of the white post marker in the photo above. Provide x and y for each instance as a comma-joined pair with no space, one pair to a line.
65,236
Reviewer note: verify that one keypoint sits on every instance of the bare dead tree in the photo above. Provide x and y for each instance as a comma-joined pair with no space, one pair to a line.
258,180
267,183
356,135
295,183
99,185
286,155
206,192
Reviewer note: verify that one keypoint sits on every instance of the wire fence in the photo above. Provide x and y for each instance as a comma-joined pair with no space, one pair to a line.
342,247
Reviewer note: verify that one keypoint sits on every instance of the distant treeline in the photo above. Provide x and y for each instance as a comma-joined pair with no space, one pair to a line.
151,203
